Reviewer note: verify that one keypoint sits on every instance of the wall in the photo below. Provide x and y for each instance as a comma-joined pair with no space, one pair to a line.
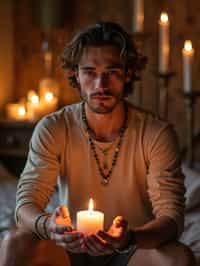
6,51
184,19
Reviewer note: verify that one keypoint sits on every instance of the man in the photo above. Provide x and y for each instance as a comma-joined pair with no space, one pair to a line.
124,158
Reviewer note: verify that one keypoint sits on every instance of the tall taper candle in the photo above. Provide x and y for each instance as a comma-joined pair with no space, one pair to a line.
187,54
164,47
138,15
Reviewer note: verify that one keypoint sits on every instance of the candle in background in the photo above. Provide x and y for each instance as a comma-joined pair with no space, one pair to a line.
138,15
33,106
49,102
48,97
16,111
33,97
90,221
187,54
164,43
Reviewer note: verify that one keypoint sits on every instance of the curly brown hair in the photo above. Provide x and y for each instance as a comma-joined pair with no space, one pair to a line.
104,33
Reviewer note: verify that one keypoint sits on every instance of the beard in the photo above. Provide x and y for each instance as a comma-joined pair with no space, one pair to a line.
104,107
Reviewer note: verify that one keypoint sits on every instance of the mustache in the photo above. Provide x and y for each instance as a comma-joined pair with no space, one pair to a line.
105,93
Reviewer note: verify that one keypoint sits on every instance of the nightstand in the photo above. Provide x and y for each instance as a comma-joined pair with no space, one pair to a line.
14,144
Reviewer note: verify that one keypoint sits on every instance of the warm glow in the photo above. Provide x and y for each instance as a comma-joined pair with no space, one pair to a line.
21,111
34,99
164,17
48,96
188,45
91,205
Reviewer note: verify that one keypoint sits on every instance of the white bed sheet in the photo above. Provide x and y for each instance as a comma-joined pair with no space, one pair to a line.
191,234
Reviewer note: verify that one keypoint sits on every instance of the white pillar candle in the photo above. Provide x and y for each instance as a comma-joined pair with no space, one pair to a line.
90,221
138,15
164,46
187,54
33,97
16,111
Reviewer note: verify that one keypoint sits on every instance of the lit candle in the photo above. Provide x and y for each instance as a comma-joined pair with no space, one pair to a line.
21,112
33,97
40,106
90,221
164,43
16,111
49,102
187,54
48,97
138,15
33,106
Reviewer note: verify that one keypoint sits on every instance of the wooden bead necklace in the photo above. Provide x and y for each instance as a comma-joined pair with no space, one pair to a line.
105,176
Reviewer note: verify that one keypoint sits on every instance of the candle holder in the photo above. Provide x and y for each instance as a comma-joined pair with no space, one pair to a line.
190,100
162,99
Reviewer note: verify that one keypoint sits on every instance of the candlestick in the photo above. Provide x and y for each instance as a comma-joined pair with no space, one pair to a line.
187,54
138,15
90,221
190,100
164,47
162,94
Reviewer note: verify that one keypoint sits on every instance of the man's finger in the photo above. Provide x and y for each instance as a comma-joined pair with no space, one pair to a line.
66,238
119,221
60,229
64,211
104,235
98,245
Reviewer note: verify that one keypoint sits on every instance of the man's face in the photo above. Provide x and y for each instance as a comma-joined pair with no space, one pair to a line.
101,75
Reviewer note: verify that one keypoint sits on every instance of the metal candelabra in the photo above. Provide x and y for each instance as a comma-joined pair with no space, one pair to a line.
162,99
190,100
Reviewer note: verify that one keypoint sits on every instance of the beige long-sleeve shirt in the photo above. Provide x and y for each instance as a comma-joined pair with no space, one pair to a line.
146,181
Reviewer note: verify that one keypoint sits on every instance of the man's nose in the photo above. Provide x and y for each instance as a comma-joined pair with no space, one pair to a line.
101,81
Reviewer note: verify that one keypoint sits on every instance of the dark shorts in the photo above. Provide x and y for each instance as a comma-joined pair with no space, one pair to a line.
110,260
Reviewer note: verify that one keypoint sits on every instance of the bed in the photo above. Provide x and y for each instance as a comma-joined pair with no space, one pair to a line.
190,236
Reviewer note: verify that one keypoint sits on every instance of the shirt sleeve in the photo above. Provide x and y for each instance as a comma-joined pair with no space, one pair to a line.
39,177
165,179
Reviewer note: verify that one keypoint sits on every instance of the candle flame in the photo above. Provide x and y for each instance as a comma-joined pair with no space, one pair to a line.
21,111
188,45
34,99
91,205
164,17
48,96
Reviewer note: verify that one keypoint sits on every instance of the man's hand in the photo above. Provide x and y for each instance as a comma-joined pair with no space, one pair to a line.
104,243
62,232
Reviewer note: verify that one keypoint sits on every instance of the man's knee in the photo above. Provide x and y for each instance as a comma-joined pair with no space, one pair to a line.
179,253
172,254
18,239
14,247
44,252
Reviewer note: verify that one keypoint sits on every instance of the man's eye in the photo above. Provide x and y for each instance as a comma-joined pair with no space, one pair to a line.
112,72
88,73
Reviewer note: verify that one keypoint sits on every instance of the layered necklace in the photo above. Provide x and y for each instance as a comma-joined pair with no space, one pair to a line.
105,176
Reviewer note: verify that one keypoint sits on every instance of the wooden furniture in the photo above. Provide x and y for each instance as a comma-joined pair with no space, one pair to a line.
14,143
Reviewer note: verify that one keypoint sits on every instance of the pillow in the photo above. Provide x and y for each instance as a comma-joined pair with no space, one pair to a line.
8,185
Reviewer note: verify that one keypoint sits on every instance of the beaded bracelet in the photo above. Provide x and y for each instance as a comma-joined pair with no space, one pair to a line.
45,227
36,224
